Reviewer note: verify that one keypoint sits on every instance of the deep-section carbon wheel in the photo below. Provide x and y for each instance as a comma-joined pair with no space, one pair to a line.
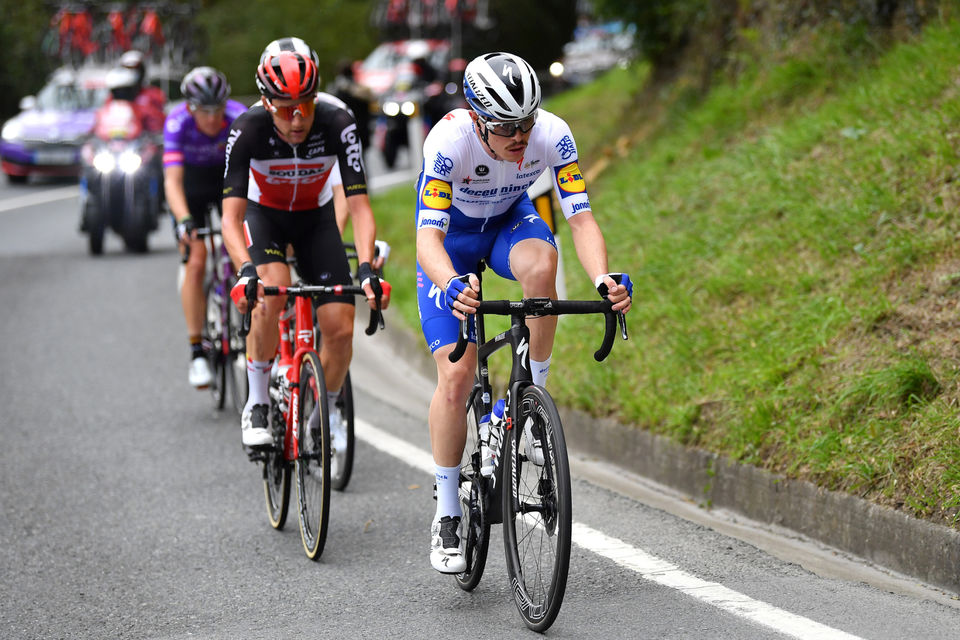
276,472
344,458
236,365
212,336
313,451
537,510
475,525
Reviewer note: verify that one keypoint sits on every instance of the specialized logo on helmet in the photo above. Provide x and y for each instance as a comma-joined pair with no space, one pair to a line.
570,179
437,194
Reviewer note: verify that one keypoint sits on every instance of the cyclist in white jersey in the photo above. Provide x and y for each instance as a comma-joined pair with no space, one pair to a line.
472,204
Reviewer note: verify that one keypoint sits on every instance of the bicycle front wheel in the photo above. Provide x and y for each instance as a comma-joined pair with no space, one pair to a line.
344,465
537,509
473,499
313,455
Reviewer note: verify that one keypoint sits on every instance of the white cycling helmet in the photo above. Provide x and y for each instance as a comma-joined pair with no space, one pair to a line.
292,43
501,86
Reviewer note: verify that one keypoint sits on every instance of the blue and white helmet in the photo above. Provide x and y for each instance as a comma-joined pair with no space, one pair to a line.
501,86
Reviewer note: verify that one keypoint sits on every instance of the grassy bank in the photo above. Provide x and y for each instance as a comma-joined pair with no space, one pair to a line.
792,242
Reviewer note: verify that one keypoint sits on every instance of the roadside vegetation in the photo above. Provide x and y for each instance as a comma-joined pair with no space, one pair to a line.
792,235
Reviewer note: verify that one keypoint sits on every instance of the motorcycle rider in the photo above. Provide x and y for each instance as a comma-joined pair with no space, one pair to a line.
151,100
194,146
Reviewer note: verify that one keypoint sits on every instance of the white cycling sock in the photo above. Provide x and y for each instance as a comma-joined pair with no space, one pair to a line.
540,370
258,378
332,400
448,491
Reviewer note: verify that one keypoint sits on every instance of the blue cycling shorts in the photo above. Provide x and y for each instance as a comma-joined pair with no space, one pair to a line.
466,248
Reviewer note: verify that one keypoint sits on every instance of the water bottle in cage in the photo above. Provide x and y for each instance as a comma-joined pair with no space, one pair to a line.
491,433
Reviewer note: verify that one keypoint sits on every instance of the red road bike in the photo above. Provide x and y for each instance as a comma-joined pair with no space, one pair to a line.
299,417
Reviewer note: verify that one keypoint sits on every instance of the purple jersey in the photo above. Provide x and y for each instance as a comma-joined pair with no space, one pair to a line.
183,144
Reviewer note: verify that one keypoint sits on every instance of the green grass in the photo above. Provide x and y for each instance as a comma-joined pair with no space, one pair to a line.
791,237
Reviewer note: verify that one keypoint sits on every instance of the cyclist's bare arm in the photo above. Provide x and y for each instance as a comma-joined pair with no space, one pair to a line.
234,210
173,189
436,264
340,207
364,234
592,252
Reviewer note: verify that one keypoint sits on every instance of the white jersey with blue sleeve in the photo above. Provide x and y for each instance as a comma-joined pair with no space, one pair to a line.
462,187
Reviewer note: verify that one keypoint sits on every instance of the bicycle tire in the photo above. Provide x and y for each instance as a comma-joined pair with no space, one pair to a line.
537,517
473,492
276,470
236,364
340,481
212,336
313,451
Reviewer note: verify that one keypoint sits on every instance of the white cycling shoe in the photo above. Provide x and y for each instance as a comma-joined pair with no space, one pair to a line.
533,442
200,375
446,545
255,426
338,441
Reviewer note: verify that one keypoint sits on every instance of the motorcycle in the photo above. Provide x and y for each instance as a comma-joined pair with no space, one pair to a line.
397,106
121,185
406,100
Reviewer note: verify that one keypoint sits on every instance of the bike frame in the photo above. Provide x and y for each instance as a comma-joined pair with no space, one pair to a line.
291,356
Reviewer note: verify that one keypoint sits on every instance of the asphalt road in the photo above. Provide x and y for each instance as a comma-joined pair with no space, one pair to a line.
130,511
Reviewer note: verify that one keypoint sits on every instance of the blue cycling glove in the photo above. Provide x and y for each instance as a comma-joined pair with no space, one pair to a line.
619,278
455,286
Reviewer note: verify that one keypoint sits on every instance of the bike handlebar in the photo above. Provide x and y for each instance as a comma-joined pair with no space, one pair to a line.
202,232
309,291
538,307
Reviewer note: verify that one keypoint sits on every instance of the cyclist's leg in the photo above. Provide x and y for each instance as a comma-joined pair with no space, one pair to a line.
447,416
526,251
192,297
267,240
322,260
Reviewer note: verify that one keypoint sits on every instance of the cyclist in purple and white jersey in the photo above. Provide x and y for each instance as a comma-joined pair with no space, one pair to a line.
194,147
472,204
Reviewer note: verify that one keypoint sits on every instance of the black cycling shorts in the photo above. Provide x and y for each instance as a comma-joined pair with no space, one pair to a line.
321,259
203,187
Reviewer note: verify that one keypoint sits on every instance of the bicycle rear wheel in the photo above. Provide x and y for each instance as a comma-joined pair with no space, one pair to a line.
537,511
345,457
313,454
236,364
276,472
473,496
212,336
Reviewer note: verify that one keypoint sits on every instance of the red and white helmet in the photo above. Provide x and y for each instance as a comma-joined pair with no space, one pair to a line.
287,75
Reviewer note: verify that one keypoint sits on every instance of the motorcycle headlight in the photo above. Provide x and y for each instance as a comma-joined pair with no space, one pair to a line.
408,108
391,109
129,161
104,162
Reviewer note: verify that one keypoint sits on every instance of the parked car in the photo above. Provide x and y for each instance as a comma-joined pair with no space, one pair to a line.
594,49
46,136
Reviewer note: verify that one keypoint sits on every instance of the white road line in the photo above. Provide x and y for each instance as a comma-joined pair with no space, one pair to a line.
648,566
41,197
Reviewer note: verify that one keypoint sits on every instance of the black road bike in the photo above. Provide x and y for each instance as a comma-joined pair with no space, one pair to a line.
532,501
